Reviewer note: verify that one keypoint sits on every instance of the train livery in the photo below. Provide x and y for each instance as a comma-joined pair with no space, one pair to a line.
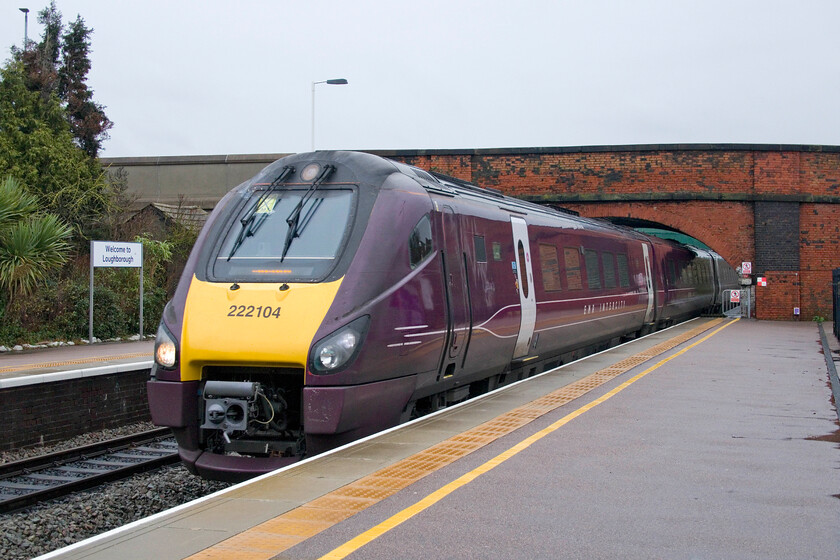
336,294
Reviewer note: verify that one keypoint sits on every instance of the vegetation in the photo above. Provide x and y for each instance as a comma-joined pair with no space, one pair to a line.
55,197
31,244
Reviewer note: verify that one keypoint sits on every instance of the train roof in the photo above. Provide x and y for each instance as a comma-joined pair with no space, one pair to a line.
445,185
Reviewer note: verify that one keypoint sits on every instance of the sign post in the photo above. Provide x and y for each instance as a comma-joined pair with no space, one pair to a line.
115,254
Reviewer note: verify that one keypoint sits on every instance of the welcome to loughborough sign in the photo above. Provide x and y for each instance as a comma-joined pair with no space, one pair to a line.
115,254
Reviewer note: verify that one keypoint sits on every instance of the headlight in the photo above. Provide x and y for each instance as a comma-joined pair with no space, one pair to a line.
166,350
336,351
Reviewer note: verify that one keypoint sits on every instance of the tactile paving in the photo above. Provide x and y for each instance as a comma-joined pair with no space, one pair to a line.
27,367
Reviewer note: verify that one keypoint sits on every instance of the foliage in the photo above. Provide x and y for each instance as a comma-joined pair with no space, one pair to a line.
51,131
37,148
88,122
31,244
155,256
59,64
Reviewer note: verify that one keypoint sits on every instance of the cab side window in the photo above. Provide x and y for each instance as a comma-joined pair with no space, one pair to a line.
420,242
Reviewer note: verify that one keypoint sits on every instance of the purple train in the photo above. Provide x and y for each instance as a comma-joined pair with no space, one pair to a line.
338,293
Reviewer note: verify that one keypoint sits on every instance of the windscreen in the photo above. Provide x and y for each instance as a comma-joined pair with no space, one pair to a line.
263,246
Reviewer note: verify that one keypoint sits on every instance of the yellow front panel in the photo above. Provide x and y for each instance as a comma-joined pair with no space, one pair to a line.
258,324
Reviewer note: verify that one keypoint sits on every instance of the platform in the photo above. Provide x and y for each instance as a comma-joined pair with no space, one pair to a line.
69,362
713,439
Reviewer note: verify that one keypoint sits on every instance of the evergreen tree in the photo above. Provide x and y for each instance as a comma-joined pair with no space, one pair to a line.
88,122
41,59
37,148
59,64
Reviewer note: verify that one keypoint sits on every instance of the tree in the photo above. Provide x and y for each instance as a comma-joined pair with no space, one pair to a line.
32,244
37,147
41,60
60,64
88,122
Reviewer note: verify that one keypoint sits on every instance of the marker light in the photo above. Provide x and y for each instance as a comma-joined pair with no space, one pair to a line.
310,172
338,350
166,351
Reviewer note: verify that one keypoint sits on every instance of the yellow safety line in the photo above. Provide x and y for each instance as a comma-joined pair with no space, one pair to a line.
26,367
354,544
272,537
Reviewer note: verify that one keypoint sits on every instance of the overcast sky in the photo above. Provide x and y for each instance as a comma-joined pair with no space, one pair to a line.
224,77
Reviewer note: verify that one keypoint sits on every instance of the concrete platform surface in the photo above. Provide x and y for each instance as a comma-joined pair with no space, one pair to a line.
64,362
719,448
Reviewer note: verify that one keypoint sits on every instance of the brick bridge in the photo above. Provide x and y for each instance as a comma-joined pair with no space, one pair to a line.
775,206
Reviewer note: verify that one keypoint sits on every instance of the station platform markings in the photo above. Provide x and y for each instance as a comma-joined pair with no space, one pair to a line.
281,533
43,365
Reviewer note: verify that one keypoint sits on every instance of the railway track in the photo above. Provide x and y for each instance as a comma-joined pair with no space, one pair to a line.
29,481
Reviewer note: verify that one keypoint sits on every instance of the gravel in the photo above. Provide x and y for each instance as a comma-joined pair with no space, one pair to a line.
56,524
84,439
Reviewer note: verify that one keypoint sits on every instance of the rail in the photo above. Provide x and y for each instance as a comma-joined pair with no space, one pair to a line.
29,481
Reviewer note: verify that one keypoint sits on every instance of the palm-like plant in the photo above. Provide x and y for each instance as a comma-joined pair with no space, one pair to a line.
31,244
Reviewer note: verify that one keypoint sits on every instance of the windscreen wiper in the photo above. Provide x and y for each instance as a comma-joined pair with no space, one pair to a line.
249,226
294,217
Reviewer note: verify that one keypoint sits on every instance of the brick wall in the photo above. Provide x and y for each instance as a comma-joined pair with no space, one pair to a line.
780,297
50,412
775,206
776,236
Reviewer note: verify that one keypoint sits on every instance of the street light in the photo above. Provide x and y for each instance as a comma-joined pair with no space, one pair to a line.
25,26
333,82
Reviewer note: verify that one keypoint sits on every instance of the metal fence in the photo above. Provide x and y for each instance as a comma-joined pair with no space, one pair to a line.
737,303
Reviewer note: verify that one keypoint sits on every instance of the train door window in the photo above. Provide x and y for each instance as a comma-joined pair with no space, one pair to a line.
523,267
497,251
593,275
572,258
550,266
672,273
623,270
420,242
480,249
608,262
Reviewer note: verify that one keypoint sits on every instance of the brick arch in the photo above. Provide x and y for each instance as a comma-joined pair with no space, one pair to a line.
727,227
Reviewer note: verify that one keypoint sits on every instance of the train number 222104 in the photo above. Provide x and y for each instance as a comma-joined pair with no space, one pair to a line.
264,312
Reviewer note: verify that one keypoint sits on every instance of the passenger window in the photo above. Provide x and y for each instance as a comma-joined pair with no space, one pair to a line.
480,249
550,265
572,257
623,271
497,251
420,242
523,270
608,261
593,276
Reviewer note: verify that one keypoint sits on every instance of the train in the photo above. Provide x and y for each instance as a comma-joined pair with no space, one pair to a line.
336,294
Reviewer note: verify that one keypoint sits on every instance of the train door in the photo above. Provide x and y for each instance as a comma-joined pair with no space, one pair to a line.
525,278
458,326
648,284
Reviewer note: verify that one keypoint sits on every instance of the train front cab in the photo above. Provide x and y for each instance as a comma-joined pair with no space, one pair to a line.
236,340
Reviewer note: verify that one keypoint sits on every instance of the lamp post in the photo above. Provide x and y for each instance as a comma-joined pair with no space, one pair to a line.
333,82
25,26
